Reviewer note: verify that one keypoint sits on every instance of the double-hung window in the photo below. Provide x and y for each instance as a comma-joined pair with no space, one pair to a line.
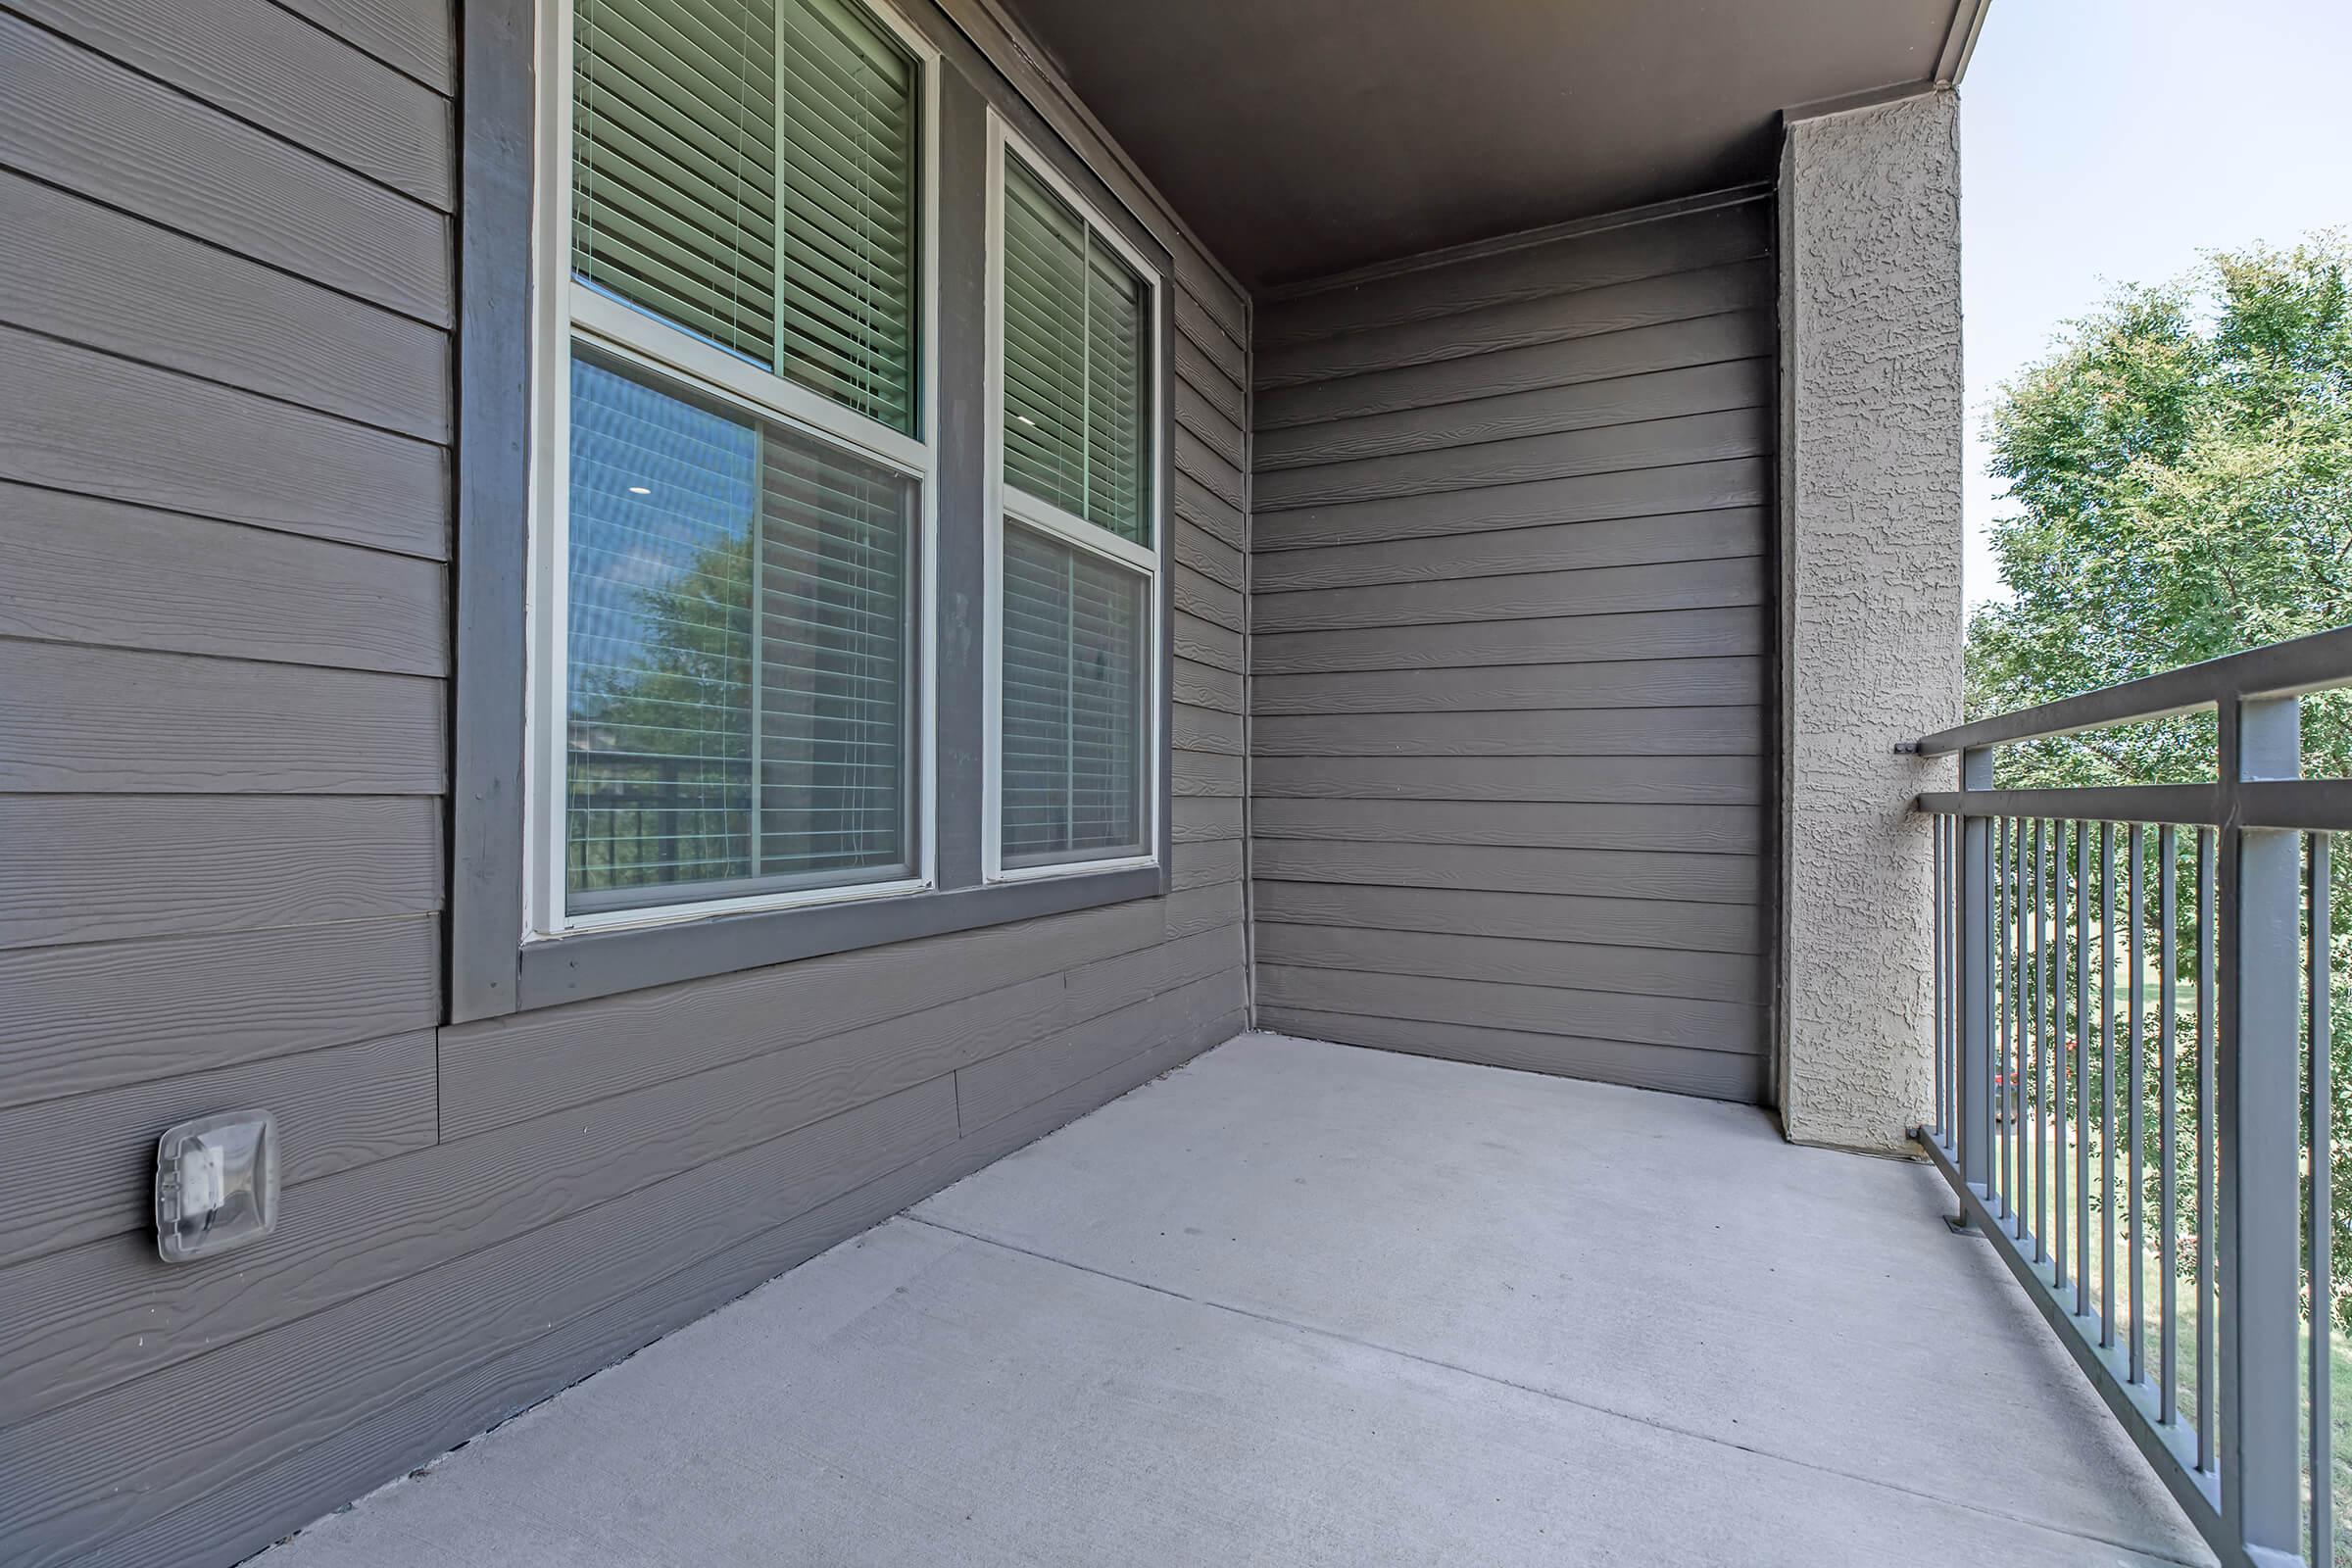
735,461
1073,548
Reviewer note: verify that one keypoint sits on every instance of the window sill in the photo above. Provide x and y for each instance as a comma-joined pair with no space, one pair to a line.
604,963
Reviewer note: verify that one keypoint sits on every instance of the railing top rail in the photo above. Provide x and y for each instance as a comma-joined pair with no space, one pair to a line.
2310,805
2282,669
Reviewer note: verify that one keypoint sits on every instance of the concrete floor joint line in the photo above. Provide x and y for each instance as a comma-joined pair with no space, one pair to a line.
1612,1412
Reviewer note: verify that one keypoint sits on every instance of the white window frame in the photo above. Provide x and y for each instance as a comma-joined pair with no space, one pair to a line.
1000,499
564,310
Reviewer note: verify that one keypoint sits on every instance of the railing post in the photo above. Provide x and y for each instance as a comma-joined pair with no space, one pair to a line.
2258,1095
1975,1132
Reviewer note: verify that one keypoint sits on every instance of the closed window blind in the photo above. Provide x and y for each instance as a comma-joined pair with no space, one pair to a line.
1074,686
1075,361
739,654
747,169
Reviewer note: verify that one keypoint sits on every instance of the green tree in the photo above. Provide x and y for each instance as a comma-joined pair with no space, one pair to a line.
2182,468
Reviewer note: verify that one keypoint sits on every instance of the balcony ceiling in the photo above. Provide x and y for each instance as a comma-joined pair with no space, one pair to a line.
1304,137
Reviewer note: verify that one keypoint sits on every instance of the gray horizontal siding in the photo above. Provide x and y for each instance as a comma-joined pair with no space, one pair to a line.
1693,477
103,574
411,36
1597,919
80,1165
80,868
1579,1012
81,720
1550,640
305,85
1619,683
226,243
1728,531
75,118
1308,417
1607,873
71,268
1718,1075
1509,625
1597,965
1626,254
1550,317
96,424
1703,584
1708,829
1564,732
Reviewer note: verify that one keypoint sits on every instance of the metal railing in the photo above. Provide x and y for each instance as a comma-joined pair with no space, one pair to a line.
2078,1116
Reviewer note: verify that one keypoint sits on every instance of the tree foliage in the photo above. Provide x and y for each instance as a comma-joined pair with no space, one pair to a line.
2180,465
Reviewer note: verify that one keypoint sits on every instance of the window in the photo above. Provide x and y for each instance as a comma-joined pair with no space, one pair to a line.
730,563
1074,561
841,620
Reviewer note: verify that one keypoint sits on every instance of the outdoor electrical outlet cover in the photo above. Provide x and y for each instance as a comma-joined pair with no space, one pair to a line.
216,1184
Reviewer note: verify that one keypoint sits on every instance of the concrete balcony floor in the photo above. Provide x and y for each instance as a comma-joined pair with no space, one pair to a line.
1304,1303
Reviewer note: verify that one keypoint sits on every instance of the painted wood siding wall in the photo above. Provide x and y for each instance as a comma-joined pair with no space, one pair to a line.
1509,655
226,232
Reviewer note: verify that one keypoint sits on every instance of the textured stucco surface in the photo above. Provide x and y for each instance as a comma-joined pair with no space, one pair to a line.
1871,411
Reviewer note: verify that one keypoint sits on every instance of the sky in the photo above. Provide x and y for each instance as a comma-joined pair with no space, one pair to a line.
2110,142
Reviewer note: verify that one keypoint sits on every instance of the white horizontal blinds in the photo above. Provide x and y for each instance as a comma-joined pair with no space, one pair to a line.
1045,342
747,169
850,114
739,652
835,591
1073,704
1118,462
674,161
1076,356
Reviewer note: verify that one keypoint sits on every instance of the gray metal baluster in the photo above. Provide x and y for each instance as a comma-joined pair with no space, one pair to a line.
1974,1134
2059,1062
2106,1082
2257,1092
2082,1060
2038,1181
2002,1081
1953,918
2168,1336
2135,1124
2014,1102
1939,989
2319,1265
2207,1318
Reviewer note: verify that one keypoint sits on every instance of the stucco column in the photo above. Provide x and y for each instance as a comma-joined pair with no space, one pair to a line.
1870,607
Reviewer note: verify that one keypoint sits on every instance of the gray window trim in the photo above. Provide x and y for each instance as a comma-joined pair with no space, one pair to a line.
492,970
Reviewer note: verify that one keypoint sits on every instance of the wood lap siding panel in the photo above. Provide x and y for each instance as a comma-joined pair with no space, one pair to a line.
73,117
227,245
1509,638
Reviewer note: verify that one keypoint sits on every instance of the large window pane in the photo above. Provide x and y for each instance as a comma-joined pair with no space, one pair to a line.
1073,715
748,171
1077,353
739,702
